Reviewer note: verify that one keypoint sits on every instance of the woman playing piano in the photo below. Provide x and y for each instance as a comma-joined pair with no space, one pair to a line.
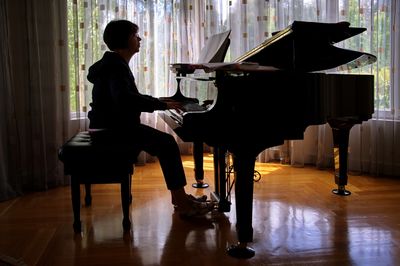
116,108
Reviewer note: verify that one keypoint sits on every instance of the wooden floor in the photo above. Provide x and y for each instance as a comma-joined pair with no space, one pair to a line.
296,220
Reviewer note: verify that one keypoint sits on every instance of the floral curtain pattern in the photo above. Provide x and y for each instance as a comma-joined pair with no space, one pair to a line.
171,31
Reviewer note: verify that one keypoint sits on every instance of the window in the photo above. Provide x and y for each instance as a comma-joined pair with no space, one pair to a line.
86,20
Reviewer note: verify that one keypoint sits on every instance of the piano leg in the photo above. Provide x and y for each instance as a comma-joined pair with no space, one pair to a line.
220,193
341,132
198,153
244,186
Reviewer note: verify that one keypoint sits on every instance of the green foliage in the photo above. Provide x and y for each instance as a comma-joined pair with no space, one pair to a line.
375,40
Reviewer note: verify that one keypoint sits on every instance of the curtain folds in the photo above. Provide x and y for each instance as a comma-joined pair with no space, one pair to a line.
33,96
373,144
7,112
175,31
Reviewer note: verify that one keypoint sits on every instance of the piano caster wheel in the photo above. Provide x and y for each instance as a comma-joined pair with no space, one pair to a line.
200,184
341,191
241,251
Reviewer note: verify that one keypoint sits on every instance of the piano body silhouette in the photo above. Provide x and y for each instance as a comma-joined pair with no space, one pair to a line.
287,92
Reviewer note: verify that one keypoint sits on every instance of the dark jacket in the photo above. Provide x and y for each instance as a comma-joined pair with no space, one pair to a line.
116,101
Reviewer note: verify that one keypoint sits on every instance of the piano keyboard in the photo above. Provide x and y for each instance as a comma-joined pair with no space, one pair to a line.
175,115
193,107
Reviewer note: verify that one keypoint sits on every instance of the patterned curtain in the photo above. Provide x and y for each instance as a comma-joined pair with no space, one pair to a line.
171,31
175,31
374,145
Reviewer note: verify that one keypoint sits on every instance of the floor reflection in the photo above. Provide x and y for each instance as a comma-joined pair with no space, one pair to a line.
296,221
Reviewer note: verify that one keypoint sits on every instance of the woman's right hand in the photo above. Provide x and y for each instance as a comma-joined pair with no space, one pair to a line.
171,104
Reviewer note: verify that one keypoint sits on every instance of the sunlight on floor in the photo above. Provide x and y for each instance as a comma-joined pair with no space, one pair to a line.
208,164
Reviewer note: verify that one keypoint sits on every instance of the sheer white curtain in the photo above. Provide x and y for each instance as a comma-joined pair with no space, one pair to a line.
171,31
374,145
32,95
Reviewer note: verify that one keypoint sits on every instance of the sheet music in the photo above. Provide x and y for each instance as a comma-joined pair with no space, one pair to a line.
213,51
214,48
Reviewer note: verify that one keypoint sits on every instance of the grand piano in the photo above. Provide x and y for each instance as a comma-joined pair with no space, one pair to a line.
282,85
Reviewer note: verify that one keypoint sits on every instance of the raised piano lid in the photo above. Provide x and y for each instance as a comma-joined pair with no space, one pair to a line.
309,46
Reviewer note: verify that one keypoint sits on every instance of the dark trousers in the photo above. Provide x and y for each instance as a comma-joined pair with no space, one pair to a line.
153,141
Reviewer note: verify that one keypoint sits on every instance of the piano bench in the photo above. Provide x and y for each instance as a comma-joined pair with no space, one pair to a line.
99,162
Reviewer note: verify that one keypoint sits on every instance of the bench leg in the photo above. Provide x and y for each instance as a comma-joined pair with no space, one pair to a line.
130,189
76,203
126,199
88,195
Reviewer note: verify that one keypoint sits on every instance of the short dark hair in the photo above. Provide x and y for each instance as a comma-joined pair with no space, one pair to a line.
117,33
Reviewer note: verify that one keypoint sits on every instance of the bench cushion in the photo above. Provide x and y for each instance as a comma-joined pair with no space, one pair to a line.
82,155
